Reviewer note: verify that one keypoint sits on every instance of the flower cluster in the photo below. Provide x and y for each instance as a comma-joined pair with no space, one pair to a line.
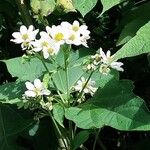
89,86
51,39
105,61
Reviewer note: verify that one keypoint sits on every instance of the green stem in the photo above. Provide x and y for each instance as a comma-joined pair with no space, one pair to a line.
58,132
66,62
96,137
81,93
24,12
43,62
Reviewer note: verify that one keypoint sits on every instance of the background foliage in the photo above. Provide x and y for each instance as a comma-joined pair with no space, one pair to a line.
121,26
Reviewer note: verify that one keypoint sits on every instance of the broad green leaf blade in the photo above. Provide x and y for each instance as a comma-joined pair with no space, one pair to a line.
45,7
45,138
59,113
115,105
80,138
107,4
138,45
130,30
28,71
131,21
12,123
84,6
11,92
59,78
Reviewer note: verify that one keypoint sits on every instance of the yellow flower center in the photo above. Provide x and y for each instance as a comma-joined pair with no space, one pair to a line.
37,91
72,37
59,36
45,44
75,28
25,36
50,50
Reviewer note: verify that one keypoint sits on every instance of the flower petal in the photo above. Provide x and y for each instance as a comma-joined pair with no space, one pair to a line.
38,83
30,93
23,29
29,86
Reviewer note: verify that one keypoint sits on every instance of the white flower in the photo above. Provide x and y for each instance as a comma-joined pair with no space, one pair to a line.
36,89
91,67
46,44
25,36
78,35
89,88
58,33
107,59
104,69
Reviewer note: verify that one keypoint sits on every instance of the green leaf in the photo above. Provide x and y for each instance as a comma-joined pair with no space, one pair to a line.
45,7
66,5
84,6
80,138
138,45
59,113
28,71
12,123
34,129
59,78
130,30
131,21
107,4
11,92
114,105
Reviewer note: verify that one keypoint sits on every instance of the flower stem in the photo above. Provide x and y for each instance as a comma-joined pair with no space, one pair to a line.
66,62
59,135
43,62
96,137
81,93
24,12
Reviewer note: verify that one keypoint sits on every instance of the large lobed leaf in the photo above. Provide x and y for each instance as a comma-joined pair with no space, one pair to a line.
28,71
84,6
139,44
114,105
12,123
107,4
132,21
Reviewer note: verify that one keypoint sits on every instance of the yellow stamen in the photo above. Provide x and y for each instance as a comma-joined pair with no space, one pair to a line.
72,37
50,50
45,44
25,36
75,28
59,36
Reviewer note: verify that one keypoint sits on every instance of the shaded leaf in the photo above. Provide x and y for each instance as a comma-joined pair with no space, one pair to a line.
80,138
12,123
131,21
138,45
58,112
84,6
107,4
114,105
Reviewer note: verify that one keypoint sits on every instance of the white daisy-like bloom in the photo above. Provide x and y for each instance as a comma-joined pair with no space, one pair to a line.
46,44
91,67
25,36
108,60
36,89
58,33
78,34
89,88
104,69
